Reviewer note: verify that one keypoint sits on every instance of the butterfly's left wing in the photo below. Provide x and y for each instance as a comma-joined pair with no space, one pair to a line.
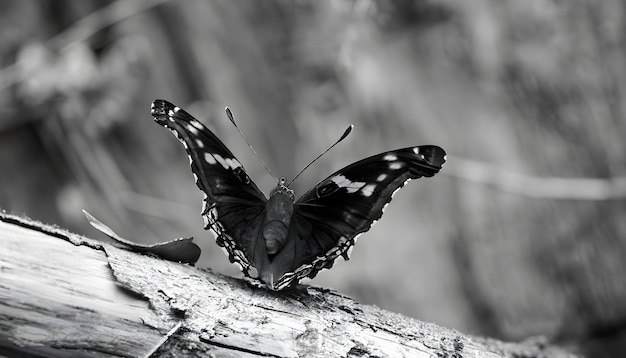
327,219
233,207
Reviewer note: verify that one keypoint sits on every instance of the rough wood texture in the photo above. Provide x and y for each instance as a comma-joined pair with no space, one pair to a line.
62,294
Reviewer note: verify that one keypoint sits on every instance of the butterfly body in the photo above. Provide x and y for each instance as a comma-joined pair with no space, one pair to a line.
285,240
277,219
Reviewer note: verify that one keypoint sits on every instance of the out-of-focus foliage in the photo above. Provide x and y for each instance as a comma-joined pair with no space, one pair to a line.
534,88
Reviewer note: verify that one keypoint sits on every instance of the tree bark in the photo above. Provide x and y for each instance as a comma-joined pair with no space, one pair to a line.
63,294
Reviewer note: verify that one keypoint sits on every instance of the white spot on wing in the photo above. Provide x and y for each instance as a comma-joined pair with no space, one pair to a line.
368,190
340,180
199,143
390,157
196,124
191,128
395,165
381,177
227,163
176,109
209,158
416,150
232,163
220,160
344,182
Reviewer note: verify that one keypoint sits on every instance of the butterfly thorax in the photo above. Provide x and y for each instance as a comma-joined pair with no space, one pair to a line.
277,218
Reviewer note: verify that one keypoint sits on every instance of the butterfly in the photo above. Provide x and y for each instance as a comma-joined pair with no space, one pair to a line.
280,240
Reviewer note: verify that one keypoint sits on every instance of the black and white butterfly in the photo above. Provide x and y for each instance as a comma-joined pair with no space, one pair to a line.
281,239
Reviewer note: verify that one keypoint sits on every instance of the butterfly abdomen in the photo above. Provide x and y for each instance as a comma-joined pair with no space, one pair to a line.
276,223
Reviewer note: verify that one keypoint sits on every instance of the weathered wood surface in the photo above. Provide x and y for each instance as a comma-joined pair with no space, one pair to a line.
62,294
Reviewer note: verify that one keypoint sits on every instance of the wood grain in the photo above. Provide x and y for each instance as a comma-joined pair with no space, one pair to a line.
62,294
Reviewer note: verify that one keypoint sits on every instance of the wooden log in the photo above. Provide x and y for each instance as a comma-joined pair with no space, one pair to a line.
63,294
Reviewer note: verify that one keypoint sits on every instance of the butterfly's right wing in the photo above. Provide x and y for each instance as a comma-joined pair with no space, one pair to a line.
233,206
328,218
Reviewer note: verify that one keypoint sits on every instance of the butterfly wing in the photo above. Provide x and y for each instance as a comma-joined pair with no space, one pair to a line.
233,206
328,218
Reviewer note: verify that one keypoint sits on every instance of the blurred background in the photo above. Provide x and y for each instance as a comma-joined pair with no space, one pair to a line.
523,233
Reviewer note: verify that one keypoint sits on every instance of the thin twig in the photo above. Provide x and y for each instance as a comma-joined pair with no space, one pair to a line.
535,187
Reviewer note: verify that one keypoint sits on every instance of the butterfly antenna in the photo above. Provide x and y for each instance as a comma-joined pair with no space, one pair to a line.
345,134
232,119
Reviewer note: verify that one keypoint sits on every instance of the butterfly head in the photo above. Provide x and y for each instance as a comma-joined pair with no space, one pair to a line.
283,189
